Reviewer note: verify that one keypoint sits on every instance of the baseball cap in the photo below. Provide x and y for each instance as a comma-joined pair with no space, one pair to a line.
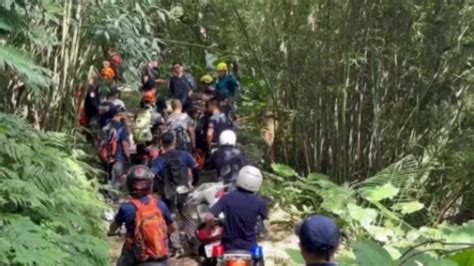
318,233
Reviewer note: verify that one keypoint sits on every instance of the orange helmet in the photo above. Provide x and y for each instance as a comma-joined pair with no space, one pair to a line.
149,97
108,73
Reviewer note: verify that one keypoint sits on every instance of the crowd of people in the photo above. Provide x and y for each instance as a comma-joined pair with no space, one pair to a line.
166,145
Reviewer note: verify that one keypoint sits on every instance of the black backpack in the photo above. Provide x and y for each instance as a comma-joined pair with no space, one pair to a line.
182,140
175,174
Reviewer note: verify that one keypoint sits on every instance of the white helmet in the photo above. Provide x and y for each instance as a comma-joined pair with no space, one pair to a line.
250,178
227,137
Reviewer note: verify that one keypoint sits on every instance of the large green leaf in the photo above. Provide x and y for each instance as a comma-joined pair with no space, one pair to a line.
283,170
409,207
379,193
464,258
365,216
369,253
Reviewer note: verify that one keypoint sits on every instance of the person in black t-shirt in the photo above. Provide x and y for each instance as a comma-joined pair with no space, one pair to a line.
217,122
181,86
151,76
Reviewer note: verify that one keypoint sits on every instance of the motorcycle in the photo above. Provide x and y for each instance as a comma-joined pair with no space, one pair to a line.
204,196
212,253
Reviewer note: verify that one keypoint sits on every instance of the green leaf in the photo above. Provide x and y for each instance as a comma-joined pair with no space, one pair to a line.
295,256
409,207
369,253
464,258
283,170
379,193
365,216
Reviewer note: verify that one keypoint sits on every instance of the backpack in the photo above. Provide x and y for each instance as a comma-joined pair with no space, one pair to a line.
142,127
175,174
107,143
183,142
149,239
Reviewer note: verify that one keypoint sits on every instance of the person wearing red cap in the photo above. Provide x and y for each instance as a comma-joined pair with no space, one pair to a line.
319,239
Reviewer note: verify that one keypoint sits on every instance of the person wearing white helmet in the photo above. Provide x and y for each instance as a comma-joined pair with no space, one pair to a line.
227,160
242,209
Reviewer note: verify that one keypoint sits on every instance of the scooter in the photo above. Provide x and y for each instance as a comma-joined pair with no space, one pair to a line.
204,196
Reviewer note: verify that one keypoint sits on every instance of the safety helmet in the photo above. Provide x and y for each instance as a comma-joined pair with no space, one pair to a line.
227,137
140,180
108,73
149,97
250,178
207,79
222,67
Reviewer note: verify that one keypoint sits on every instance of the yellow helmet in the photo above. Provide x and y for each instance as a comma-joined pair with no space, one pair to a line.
207,79
222,66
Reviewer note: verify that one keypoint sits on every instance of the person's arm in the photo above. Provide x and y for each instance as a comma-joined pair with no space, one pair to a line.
192,132
113,228
214,211
263,211
193,165
170,223
124,137
171,87
233,85
118,221
210,132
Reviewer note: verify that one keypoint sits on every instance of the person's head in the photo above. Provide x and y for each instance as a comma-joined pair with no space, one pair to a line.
222,69
213,105
155,63
113,93
139,181
177,69
149,98
227,138
176,105
167,140
115,114
106,64
250,178
319,238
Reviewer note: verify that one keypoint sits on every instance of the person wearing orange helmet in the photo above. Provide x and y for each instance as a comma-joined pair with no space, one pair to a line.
146,124
107,71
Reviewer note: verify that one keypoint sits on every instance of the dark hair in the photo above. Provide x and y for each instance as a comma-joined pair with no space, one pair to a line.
213,102
167,139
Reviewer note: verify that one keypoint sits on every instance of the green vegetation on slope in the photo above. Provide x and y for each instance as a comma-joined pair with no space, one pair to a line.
50,212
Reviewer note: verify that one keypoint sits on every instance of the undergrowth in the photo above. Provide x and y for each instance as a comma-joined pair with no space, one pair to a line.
50,211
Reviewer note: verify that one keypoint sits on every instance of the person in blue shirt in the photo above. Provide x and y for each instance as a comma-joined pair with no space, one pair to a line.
241,209
139,183
174,168
319,239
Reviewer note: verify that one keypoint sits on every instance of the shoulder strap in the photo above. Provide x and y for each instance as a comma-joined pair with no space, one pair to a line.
140,207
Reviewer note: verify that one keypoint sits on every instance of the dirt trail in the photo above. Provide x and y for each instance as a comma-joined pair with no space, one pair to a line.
273,249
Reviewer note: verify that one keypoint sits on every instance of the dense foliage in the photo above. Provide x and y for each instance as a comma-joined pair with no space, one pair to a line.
376,217
50,212
376,95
